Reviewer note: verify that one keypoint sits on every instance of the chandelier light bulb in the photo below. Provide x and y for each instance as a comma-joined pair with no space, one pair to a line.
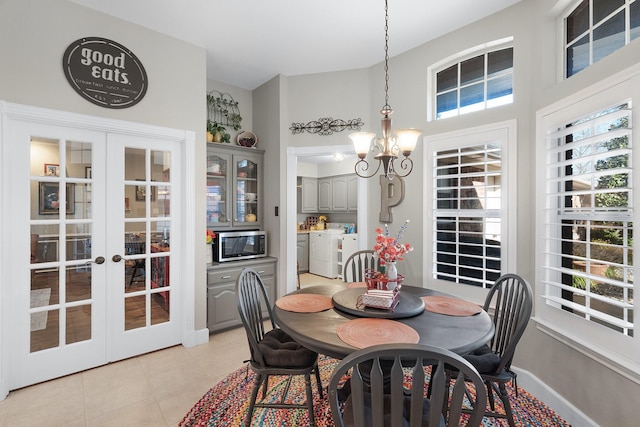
407,140
362,142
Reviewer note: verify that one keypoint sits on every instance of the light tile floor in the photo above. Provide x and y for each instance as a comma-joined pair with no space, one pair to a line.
155,389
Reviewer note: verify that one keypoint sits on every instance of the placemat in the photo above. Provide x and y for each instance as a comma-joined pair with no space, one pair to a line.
304,303
357,285
367,331
450,306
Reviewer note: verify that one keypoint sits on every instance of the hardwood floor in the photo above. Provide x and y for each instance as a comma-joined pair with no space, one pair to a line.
45,325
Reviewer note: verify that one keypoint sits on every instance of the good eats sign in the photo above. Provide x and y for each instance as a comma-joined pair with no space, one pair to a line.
105,72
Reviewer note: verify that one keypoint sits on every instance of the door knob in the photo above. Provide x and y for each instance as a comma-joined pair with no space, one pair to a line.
116,258
98,260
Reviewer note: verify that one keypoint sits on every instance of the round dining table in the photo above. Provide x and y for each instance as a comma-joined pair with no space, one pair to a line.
318,330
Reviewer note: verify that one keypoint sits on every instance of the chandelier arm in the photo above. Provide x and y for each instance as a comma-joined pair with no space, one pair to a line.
364,166
405,164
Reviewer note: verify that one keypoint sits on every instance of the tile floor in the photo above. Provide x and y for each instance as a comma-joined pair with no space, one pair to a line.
155,389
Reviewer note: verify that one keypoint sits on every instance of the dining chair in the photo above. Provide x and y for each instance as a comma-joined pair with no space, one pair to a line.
387,388
511,300
135,245
273,352
357,265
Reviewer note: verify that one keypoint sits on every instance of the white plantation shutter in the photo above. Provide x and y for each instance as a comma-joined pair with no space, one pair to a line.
588,233
468,214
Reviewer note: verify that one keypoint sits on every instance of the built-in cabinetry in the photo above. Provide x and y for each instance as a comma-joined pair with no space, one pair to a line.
222,308
303,252
234,187
347,245
309,199
338,194
352,193
325,195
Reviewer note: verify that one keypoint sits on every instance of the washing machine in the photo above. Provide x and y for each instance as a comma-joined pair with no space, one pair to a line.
323,252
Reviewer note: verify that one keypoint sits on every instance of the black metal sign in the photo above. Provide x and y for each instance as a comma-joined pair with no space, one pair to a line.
105,72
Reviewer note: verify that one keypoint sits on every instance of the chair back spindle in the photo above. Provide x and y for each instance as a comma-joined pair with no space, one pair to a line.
381,395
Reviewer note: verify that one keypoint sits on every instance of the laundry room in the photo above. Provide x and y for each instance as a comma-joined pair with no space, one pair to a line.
327,213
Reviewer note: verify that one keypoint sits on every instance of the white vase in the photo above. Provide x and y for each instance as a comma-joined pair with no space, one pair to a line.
391,270
209,254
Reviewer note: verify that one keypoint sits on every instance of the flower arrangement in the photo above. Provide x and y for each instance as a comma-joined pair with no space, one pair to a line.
210,236
388,248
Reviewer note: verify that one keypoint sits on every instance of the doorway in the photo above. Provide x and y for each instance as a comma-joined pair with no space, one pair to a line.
295,154
95,208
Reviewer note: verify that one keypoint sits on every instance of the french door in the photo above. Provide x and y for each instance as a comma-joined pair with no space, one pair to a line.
95,269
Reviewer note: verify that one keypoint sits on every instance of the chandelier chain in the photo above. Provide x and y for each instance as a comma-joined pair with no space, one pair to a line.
386,55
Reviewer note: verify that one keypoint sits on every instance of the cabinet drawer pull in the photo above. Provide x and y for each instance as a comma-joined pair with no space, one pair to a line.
226,277
260,271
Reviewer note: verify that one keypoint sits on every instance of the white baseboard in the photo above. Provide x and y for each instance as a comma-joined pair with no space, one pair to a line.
193,338
552,399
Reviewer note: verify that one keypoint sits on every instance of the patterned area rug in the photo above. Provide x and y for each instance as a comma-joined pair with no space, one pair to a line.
226,404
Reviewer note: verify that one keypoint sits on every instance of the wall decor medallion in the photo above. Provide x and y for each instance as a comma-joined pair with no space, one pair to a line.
104,72
326,126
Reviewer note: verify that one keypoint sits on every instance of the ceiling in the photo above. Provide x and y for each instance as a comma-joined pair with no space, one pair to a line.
248,42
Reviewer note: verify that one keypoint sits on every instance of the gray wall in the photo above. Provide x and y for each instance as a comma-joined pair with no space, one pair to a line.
35,34
590,386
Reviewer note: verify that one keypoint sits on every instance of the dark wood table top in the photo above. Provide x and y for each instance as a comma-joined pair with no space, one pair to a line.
317,331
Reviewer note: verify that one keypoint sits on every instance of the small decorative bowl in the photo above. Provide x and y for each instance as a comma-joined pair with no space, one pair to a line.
247,139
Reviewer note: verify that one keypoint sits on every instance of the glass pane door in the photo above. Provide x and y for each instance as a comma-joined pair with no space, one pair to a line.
147,237
246,178
218,200
61,294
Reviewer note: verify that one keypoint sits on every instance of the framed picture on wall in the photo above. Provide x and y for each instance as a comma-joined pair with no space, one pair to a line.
51,169
141,193
48,198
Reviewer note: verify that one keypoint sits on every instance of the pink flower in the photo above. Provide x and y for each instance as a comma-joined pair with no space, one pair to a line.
389,249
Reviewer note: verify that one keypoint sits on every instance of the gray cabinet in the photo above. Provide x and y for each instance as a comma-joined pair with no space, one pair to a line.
222,308
309,195
234,187
325,195
352,193
303,252
338,193
339,190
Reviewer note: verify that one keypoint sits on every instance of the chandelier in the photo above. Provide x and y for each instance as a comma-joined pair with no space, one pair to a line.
387,147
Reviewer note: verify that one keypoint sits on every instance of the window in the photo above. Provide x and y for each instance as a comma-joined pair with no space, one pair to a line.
476,82
585,221
469,221
595,28
590,218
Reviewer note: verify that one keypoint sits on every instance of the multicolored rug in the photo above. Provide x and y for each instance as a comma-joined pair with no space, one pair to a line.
227,402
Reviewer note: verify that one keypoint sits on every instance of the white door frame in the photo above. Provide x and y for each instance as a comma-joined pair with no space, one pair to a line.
288,251
10,112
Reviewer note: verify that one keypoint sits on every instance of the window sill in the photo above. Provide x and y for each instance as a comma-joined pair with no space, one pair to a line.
625,367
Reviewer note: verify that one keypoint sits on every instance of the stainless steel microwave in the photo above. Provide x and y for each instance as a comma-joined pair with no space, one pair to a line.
237,245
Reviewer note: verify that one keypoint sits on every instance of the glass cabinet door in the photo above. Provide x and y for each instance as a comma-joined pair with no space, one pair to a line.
218,201
246,175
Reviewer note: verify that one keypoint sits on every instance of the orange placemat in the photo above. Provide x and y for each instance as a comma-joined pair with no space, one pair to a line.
367,331
450,306
304,303
357,285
